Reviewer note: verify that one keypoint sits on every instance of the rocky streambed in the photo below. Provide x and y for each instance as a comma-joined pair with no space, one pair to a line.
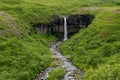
72,72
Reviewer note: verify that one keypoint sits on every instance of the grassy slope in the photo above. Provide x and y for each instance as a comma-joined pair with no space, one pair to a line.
22,53
97,45
23,59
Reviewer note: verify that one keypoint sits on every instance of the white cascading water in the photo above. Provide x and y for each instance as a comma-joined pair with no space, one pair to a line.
65,29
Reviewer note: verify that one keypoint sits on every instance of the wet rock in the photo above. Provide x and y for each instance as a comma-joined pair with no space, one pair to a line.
71,70
68,66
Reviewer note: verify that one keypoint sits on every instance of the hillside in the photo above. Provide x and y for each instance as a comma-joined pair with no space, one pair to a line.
96,46
24,52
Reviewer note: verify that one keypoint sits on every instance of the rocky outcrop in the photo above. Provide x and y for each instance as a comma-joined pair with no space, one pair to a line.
77,22
56,25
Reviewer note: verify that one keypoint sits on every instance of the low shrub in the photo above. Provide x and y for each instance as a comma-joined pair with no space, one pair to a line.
56,74
106,72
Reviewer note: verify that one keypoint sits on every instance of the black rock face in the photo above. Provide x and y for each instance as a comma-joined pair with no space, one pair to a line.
75,23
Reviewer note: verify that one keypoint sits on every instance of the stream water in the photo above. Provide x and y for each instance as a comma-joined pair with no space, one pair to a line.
72,72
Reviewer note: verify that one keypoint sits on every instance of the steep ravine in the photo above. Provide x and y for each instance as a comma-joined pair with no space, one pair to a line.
72,24
72,72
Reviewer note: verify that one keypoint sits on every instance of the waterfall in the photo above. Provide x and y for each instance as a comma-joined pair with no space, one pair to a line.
65,29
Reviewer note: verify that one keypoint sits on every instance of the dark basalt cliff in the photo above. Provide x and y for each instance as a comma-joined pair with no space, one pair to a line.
56,25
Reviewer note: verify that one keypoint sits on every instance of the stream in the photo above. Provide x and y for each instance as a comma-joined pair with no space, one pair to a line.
72,72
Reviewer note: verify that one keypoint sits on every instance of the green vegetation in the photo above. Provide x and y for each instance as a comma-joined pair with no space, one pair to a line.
106,72
99,44
24,53
22,59
38,10
56,74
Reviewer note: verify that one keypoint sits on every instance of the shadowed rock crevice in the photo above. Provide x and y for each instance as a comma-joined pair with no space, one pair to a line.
55,27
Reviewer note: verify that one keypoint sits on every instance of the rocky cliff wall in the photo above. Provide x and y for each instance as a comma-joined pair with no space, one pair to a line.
75,23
